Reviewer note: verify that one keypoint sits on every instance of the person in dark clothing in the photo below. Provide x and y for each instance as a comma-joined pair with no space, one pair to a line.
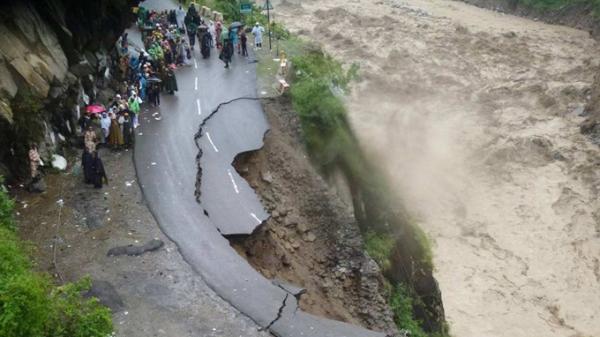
227,52
205,46
170,81
243,42
154,93
127,130
86,165
192,29
98,173
85,121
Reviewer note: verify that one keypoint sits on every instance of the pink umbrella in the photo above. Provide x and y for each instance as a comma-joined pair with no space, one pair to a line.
95,108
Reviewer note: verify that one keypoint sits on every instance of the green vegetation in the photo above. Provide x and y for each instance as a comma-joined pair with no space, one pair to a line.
401,303
379,247
559,4
30,305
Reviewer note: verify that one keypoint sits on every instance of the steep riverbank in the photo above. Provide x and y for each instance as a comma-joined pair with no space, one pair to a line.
312,239
475,115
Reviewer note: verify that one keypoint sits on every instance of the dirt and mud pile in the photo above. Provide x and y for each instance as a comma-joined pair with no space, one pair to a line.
475,117
312,239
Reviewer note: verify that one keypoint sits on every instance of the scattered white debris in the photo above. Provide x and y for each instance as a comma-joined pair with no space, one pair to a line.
60,202
140,134
153,163
158,118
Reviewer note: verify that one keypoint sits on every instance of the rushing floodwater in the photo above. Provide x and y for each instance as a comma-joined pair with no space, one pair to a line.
475,116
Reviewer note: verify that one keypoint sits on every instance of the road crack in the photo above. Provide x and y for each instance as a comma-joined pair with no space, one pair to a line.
199,135
279,313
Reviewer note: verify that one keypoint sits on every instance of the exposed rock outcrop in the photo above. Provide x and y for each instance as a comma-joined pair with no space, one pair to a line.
50,55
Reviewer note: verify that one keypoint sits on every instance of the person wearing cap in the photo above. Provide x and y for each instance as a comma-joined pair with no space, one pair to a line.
257,31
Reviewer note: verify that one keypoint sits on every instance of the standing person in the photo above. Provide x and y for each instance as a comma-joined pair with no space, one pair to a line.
105,126
218,32
115,136
212,31
258,32
205,45
233,36
227,52
98,172
34,160
89,139
85,121
127,130
134,107
192,29
155,94
86,165
171,81
180,17
244,43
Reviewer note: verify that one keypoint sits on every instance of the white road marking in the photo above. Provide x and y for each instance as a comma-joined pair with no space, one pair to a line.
255,218
199,107
196,83
195,64
211,142
235,187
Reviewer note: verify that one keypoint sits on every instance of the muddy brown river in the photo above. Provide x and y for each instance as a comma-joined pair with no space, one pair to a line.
475,117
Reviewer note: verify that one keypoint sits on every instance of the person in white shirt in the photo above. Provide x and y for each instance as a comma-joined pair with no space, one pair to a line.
258,32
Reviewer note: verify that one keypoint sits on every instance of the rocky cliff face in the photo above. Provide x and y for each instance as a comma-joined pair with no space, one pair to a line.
50,55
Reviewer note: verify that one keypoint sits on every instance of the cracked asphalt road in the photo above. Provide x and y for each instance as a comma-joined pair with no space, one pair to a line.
166,158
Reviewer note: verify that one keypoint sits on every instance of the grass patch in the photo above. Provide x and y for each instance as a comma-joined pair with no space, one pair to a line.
379,247
30,304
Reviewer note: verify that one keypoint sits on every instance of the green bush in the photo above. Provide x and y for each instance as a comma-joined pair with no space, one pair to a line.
30,305
379,247
74,316
6,208
24,305
401,303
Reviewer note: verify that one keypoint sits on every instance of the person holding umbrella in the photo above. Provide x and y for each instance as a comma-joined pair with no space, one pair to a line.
233,35
154,90
227,50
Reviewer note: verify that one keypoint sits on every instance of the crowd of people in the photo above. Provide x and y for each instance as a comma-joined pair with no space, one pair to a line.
144,74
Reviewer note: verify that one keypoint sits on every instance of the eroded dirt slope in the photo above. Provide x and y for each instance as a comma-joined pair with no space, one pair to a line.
475,116
311,239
